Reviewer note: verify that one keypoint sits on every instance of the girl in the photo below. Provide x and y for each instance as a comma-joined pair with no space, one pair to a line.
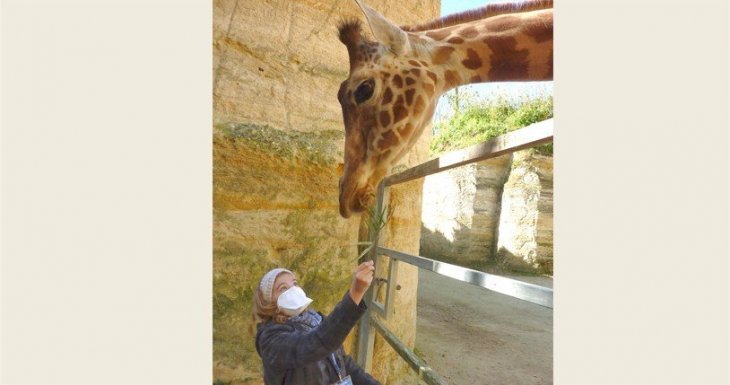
299,346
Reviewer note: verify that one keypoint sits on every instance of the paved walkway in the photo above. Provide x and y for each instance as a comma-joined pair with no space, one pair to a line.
470,335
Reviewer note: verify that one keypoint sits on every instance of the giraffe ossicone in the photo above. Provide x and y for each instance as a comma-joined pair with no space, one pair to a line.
395,80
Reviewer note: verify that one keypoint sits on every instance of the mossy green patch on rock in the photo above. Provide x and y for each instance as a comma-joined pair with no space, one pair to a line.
258,167
318,148
323,258
234,269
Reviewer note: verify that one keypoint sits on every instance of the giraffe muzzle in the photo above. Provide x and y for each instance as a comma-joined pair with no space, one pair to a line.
367,199
353,201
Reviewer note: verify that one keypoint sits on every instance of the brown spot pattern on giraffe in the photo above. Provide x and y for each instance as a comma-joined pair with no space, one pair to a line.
399,100
416,72
405,130
419,106
469,32
410,81
452,78
414,63
428,88
442,54
456,40
473,61
385,153
398,81
384,118
432,76
399,113
389,139
364,53
387,96
506,62
409,96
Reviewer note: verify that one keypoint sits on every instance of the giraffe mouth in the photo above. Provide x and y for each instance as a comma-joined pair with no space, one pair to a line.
367,199
357,201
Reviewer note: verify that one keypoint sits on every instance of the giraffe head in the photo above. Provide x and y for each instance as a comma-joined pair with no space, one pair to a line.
394,82
387,100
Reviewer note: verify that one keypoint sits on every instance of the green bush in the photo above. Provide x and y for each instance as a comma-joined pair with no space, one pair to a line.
474,122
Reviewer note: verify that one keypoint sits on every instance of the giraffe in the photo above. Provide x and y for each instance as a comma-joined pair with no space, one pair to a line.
394,82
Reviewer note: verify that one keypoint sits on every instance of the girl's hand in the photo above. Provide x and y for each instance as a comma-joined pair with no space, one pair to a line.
362,280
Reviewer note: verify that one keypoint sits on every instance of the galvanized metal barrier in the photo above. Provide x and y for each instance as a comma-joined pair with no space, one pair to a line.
425,373
529,136
525,291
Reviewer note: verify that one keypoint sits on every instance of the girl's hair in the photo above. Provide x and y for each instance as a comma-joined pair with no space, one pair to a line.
264,311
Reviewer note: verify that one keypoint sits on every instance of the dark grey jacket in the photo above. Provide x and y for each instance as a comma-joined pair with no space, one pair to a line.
295,355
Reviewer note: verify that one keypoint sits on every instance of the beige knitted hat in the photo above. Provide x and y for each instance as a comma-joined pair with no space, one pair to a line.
267,282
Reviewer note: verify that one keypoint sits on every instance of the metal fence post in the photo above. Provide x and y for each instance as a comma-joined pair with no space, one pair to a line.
366,336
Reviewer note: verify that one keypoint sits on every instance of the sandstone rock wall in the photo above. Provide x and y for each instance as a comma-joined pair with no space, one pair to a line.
461,211
525,227
277,155
495,212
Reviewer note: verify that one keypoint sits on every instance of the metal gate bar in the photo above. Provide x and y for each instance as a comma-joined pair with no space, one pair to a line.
425,372
366,338
530,136
525,291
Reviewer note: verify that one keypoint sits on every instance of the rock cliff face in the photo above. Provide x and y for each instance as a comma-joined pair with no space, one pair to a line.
525,226
278,144
497,211
461,211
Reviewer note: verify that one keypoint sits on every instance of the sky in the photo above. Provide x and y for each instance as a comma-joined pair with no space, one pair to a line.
510,90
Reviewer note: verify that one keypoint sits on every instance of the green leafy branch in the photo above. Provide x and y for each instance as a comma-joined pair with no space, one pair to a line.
376,221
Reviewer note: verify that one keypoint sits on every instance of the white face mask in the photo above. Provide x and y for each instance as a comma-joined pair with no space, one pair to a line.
293,301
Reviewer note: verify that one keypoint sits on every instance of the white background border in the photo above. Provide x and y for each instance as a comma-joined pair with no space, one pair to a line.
106,192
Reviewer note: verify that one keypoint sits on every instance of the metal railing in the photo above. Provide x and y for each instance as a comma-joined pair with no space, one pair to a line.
530,136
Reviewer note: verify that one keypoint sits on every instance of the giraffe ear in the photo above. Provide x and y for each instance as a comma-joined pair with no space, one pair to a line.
385,31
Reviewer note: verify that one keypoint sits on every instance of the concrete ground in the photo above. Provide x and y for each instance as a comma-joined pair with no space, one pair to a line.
470,335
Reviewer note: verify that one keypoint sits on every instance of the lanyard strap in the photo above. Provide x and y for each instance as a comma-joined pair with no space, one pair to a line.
333,360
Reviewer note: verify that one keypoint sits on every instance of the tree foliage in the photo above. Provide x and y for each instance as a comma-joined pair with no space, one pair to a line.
475,121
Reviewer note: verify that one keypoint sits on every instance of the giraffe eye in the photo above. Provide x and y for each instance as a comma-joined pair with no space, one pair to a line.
364,91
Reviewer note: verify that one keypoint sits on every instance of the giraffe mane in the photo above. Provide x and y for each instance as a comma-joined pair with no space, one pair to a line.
488,10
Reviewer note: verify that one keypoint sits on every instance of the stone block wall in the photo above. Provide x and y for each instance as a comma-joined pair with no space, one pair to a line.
525,226
494,212
461,211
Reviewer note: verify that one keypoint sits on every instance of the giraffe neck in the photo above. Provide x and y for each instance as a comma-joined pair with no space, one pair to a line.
516,47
